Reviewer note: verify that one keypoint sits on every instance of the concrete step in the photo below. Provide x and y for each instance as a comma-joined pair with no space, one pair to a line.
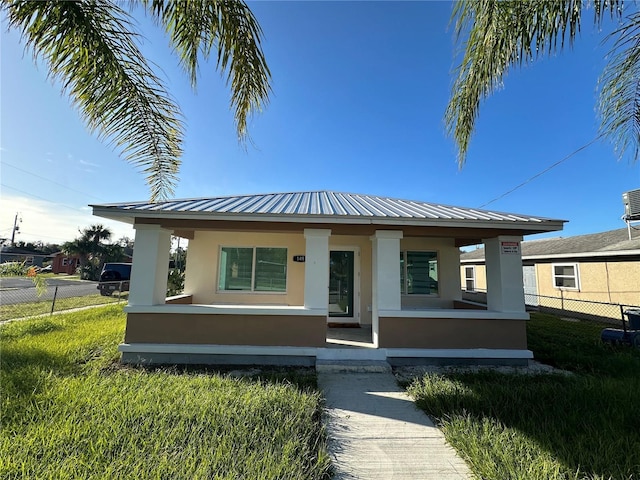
352,366
372,354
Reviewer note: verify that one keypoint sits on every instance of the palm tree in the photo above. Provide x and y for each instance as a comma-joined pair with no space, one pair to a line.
89,247
94,235
499,35
82,249
91,48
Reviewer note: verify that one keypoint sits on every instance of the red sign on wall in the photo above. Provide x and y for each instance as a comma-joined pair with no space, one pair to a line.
510,248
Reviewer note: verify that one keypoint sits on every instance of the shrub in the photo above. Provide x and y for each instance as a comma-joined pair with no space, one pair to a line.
13,269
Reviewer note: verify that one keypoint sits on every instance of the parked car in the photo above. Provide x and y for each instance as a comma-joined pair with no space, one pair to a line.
46,269
114,277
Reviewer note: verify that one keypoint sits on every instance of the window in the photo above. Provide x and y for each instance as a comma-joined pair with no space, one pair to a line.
253,269
419,273
64,261
566,276
470,278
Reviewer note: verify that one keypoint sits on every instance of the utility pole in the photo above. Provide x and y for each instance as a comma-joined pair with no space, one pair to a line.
16,228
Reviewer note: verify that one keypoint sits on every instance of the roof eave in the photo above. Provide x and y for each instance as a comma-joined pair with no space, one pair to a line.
129,216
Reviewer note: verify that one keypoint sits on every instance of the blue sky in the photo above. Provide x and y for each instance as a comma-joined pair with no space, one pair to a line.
359,92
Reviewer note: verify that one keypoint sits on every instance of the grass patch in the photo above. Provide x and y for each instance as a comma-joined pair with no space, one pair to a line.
71,411
62,276
577,426
30,309
576,346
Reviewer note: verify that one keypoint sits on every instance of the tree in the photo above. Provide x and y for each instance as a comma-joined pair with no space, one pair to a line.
499,35
127,245
91,48
177,267
92,251
38,247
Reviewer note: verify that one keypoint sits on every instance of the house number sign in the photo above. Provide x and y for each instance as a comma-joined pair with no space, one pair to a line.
298,258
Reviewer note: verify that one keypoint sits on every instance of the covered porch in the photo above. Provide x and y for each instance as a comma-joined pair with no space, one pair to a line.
293,326
268,275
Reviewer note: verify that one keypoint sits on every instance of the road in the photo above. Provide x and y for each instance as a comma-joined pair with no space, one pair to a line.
21,290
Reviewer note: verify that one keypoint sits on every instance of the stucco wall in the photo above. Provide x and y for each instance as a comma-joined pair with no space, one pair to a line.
452,333
600,281
610,282
272,330
201,276
204,252
481,277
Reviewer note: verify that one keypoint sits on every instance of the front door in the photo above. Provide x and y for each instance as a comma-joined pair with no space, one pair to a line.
341,284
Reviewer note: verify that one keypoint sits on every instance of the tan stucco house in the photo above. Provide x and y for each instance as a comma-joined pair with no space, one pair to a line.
267,274
598,267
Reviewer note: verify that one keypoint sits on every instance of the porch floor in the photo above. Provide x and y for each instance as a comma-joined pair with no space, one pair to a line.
353,337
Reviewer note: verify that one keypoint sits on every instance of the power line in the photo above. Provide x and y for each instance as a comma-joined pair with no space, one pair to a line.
543,171
52,181
42,198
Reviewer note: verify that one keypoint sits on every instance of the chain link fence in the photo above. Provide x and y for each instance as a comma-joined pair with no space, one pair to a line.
612,313
20,298
603,312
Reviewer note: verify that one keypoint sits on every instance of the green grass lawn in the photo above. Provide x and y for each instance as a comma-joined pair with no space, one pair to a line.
62,276
585,425
31,309
70,410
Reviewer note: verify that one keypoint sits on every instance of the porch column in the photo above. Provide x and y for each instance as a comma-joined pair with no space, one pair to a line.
316,269
505,292
386,275
150,265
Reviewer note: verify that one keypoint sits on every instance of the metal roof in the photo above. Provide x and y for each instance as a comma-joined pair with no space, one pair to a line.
318,206
610,243
323,203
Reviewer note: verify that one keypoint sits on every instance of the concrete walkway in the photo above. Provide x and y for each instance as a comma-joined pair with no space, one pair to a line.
376,432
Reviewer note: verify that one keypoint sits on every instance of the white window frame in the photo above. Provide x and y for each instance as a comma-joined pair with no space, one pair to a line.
253,272
576,275
472,278
403,291
64,262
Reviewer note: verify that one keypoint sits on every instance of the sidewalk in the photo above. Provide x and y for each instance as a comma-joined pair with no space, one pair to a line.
376,432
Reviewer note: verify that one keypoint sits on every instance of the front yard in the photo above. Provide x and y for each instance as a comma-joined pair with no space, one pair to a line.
69,410
582,425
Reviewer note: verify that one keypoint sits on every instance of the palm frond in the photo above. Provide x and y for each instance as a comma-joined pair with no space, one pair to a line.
620,91
501,35
90,49
228,27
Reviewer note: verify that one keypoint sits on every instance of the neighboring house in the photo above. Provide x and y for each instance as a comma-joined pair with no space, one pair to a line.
600,267
69,264
266,274
11,254
64,263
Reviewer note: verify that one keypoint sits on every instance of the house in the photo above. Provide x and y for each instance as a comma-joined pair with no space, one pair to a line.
65,263
599,267
266,275
29,258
